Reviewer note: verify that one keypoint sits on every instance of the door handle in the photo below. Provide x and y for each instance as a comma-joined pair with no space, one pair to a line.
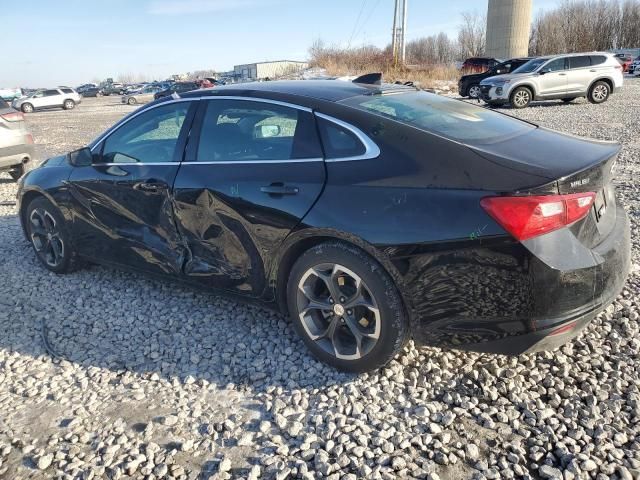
593,70
279,189
562,74
151,187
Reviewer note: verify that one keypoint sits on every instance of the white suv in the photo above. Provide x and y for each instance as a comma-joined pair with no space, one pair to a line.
566,77
64,97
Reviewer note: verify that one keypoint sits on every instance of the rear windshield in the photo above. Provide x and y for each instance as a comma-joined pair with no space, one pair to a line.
454,119
530,66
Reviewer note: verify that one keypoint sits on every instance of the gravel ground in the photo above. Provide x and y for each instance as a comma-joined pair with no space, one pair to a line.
153,380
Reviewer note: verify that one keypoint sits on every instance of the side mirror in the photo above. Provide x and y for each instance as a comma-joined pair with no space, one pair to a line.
543,71
266,131
81,157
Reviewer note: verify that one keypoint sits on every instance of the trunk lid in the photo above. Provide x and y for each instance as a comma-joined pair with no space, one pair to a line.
572,165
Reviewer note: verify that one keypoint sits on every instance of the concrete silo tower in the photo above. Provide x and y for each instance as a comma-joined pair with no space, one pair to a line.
508,28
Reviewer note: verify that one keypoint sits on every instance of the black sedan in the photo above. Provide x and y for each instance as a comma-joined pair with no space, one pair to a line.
370,214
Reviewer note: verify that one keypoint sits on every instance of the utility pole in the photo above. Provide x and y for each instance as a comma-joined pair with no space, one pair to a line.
398,39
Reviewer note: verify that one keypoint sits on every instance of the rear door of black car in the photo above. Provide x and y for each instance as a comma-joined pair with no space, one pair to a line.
122,203
253,169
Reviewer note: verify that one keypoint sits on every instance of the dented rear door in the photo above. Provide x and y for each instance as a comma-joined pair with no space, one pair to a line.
252,171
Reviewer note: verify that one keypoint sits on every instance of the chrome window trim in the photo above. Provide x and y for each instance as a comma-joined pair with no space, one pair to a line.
235,162
258,99
371,149
132,164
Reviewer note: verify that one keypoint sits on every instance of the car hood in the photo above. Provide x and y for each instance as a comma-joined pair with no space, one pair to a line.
56,161
504,78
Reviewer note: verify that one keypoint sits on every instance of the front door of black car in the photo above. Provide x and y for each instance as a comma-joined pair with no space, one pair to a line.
122,203
253,169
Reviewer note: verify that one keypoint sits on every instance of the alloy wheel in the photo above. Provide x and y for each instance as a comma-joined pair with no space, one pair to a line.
600,93
338,311
46,237
521,98
27,108
474,91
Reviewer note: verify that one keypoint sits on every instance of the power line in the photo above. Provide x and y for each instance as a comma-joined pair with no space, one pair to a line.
371,12
364,2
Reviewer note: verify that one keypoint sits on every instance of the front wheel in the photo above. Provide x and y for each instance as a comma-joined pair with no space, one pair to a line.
346,308
49,236
521,97
474,91
26,108
599,92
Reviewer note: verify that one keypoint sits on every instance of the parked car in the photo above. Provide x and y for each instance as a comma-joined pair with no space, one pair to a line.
625,60
478,64
565,77
634,68
113,89
64,97
92,92
9,94
16,143
144,95
369,213
84,87
469,85
178,87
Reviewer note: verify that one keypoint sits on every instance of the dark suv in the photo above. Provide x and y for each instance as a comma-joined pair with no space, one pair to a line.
478,64
469,85
179,87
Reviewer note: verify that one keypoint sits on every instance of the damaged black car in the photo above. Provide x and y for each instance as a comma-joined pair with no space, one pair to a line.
370,214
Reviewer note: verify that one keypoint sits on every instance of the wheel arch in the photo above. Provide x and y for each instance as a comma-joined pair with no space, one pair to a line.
28,197
528,86
299,242
606,80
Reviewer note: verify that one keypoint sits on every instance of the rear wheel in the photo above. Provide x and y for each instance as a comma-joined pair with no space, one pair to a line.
26,108
568,100
474,91
132,101
346,308
49,236
68,104
599,92
521,97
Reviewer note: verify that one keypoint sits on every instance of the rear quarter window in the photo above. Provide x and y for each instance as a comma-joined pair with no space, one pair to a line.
598,59
67,90
453,119
339,142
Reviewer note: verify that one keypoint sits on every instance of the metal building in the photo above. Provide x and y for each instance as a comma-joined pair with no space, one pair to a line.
262,70
508,28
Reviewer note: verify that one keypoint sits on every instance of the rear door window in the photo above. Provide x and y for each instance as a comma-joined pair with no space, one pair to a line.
239,130
50,93
580,62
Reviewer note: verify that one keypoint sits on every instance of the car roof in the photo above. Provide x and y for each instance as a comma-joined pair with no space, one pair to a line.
330,90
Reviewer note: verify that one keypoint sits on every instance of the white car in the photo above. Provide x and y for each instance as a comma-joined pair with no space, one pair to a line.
594,75
61,97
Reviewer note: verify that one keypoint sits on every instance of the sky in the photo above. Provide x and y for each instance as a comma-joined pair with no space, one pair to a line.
69,42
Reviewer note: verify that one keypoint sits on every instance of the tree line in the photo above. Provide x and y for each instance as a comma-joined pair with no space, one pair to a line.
573,26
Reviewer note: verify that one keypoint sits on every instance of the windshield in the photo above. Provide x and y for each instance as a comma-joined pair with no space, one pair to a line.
530,66
450,118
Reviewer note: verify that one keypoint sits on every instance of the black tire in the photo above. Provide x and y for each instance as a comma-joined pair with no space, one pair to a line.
568,100
68,104
521,97
381,340
474,91
38,217
26,108
599,92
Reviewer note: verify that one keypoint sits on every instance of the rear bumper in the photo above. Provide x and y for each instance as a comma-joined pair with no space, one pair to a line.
507,301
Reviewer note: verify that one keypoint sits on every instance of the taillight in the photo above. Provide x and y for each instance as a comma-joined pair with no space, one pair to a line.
13,116
528,217
29,139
